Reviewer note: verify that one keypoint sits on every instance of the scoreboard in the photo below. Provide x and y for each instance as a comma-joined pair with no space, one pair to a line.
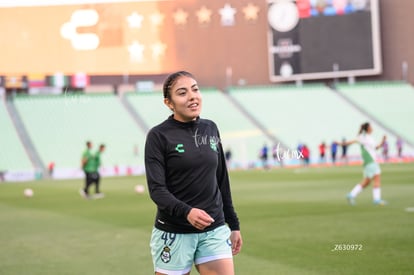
317,39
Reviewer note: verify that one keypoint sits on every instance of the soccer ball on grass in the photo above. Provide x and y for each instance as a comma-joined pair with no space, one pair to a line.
139,188
28,193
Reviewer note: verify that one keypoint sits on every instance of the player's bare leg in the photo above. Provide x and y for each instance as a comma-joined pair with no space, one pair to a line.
217,267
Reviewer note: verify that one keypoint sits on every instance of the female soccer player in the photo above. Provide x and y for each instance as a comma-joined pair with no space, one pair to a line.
188,181
372,171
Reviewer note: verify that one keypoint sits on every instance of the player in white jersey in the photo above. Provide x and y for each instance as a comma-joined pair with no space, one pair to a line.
372,171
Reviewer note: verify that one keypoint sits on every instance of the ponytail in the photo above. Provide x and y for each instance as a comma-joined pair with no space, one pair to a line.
364,128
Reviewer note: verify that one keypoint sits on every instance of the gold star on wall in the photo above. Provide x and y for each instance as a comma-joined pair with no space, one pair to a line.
135,20
180,17
157,19
136,51
227,14
158,50
204,15
250,12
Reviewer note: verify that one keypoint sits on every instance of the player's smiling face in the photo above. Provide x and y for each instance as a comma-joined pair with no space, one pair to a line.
185,99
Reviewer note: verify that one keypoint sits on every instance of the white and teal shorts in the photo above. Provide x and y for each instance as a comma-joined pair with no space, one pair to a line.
174,253
371,169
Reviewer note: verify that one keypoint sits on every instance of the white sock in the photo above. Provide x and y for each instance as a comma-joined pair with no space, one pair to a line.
376,193
356,190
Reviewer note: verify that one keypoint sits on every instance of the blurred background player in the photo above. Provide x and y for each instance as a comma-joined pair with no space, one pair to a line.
372,171
86,164
91,163
264,155
306,155
322,149
399,144
228,155
334,150
344,147
385,150
50,168
97,159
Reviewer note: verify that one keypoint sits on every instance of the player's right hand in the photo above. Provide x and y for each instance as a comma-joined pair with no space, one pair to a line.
199,218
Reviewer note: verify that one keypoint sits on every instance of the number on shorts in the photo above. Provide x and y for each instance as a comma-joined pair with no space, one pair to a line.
168,238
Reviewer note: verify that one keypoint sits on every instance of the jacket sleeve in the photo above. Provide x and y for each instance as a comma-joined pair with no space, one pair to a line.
223,181
156,179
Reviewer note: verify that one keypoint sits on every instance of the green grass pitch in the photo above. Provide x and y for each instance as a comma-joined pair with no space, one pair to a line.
294,221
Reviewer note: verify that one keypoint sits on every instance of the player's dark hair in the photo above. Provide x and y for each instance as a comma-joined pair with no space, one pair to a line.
364,128
170,81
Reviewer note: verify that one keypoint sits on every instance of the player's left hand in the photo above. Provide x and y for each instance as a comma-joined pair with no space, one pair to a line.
236,242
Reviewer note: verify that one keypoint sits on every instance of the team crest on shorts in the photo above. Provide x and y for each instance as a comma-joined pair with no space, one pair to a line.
165,255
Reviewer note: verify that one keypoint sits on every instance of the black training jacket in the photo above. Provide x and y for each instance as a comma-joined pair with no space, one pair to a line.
186,168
